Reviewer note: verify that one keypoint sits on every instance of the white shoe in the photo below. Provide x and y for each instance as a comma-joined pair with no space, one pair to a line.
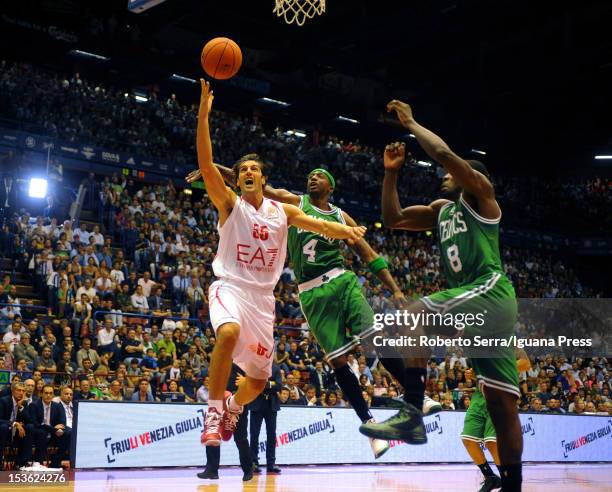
25,468
430,406
379,446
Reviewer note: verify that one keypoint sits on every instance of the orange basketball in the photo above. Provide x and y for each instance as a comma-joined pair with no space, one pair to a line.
221,58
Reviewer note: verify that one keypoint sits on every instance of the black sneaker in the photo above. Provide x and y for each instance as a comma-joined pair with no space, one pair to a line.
256,468
490,483
273,469
406,425
248,475
208,475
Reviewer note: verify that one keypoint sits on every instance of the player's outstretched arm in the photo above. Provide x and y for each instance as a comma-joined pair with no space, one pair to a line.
222,197
436,148
335,230
376,264
227,173
281,195
278,194
415,218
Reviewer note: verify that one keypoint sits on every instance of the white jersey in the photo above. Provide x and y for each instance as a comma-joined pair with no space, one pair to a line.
252,245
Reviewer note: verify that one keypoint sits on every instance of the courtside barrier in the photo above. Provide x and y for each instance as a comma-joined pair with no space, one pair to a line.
124,434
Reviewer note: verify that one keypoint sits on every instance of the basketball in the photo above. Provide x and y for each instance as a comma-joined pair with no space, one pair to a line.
221,58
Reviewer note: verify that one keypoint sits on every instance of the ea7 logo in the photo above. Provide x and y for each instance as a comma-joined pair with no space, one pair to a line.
260,350
260,232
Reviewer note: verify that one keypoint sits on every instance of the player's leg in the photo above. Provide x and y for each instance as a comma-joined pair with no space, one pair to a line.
492,447
477,427
253,355
327,311
491,480
504,414
248,390
407,425
221,363
225,319
498,379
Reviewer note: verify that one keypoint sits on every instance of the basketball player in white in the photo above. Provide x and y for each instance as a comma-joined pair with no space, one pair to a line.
249,262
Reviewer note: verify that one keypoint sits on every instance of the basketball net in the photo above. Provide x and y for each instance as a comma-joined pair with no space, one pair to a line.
298,10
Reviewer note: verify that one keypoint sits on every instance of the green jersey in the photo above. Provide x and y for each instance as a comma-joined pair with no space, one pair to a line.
312,254
469,244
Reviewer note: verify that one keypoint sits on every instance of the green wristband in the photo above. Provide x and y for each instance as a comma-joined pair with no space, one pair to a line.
377,265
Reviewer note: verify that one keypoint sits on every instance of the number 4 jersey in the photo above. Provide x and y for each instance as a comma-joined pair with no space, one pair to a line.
252,245
313,255
469,244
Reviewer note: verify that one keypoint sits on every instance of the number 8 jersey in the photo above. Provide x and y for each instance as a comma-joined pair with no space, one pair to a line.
313,255
469,244
252,245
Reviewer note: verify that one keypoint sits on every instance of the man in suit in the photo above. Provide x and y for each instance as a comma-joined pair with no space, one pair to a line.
156,302
65,399
49,420
321,378
15,424
265,407
213,453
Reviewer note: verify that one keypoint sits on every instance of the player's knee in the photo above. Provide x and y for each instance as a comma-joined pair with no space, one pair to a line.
338,362
258,384
228,334
500,404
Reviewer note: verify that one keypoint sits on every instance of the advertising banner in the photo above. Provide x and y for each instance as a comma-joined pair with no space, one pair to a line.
117,435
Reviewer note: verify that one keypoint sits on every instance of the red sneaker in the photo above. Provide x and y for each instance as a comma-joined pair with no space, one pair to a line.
212,427
229,419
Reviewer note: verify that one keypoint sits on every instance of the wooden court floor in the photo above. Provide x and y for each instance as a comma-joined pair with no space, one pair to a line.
409,478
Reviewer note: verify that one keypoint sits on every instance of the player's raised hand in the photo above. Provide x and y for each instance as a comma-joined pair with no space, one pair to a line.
399,300
206,98
194,176
395,155
403,111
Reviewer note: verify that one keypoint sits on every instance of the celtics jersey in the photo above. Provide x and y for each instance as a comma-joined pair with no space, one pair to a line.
469,244
312,254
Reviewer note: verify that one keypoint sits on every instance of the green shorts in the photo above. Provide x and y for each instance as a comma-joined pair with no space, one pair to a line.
477,425
494,300
338,314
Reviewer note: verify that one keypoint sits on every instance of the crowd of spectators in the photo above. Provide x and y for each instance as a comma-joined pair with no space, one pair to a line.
110,298
74,109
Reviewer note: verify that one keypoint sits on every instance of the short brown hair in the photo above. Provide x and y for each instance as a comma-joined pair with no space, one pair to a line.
265,168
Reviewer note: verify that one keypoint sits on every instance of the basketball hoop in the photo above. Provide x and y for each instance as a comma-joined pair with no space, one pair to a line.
298,10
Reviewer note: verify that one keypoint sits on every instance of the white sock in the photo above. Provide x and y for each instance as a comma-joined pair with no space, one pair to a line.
216,404
233,406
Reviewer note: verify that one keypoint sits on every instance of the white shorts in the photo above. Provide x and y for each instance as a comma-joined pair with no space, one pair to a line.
253,310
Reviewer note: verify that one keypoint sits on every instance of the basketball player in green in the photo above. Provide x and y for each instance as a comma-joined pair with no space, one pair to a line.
331,297
468,224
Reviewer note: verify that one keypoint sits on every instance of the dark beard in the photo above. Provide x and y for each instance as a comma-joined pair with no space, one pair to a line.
453,194
317,195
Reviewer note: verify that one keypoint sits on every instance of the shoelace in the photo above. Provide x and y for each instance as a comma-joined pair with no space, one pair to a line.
213,420
231,420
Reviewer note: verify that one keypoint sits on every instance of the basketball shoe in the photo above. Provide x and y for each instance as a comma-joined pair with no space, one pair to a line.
212,432
229,418
430,406
406,425
379,446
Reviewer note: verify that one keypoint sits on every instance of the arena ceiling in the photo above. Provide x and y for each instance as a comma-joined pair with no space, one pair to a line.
529,82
